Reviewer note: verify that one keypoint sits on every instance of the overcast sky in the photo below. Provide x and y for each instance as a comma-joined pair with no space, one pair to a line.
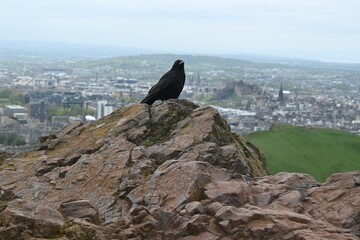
313,29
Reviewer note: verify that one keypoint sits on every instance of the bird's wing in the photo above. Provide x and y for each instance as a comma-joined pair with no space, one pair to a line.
161,86
163,83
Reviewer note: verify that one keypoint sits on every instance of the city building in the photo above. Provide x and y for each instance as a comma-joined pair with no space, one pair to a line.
16,112
103,109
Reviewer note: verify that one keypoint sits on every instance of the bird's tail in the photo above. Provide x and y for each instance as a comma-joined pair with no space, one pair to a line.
148,100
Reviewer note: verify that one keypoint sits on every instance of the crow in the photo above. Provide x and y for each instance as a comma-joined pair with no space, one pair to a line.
169,86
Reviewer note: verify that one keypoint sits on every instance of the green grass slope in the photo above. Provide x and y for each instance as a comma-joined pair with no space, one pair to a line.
318,152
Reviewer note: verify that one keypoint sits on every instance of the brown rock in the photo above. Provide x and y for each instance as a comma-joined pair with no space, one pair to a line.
283,190
214,207
165,219
337,201
233,192
4,156
257,223
82,209
194,207
235,215
170,171
202,236
21,217
292,200
81,229
7,194
173,185
226,226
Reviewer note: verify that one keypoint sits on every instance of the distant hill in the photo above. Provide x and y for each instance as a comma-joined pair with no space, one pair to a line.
22,48
318,152
154,61
49,49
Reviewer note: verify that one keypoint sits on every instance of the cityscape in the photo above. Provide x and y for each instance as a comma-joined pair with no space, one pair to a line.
251,95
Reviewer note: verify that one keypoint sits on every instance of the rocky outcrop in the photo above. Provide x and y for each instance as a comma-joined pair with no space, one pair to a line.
172,171
4,156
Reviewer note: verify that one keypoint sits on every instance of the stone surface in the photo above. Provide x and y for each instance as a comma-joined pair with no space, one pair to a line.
82,209
21,218
337,201
194,208
172,171
4,156
232,192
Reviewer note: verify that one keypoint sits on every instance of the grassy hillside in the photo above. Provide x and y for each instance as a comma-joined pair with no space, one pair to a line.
318,152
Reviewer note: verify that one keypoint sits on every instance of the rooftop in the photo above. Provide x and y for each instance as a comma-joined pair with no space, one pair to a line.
14,107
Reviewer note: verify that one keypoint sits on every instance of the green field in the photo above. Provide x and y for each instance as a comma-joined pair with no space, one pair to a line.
318,152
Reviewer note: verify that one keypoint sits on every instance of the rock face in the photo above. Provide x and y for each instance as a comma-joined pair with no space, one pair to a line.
172,171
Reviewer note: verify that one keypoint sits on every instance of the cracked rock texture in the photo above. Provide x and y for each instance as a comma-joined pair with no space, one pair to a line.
172,171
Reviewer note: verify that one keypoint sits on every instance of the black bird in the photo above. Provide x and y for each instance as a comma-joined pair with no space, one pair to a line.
169,86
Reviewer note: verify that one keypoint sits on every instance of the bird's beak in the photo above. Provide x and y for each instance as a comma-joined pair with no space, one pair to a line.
181,62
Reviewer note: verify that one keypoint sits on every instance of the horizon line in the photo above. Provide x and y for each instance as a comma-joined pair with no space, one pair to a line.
226,54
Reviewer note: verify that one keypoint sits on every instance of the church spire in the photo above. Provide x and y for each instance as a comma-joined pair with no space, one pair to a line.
281,94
